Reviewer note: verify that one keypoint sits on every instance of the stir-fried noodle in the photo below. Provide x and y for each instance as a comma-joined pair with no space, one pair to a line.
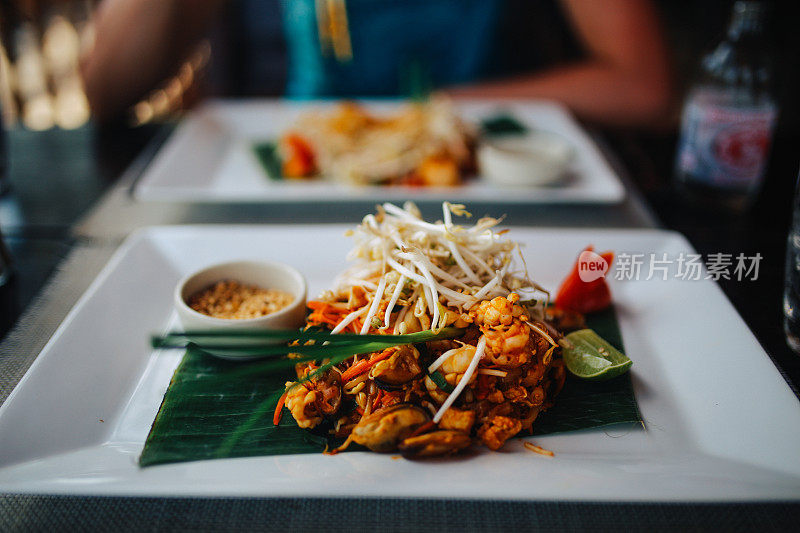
409,275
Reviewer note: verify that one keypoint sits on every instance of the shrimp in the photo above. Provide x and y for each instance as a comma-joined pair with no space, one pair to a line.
456,364
302,403
503,323
314,399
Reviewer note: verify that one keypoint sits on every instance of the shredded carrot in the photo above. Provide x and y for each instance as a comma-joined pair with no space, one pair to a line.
389,398
360,411
326,451
538,449
316,304
326,312
422,429
359,368
276,418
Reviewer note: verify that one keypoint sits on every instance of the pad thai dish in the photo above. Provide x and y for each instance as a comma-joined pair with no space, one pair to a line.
485,385
425,144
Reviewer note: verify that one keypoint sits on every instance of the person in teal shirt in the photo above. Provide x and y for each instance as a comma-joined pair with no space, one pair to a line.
395,46
351,48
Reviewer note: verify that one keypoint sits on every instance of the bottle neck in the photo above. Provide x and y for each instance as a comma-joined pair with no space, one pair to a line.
747,20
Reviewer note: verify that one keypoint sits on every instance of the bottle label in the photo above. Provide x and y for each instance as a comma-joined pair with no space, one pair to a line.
725,146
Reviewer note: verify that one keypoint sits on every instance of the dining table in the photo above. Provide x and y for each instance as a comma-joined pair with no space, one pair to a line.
71,205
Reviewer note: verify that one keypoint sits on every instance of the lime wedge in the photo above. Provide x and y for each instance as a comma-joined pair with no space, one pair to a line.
589,357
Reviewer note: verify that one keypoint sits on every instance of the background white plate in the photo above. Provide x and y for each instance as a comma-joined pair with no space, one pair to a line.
721,422
209,158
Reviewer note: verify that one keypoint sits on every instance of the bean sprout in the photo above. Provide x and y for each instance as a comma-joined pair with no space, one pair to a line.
438,263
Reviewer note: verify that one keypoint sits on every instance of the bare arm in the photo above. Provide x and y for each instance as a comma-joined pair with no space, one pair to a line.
139,43
626,79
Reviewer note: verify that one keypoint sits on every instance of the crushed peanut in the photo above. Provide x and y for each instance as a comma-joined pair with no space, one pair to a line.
231,299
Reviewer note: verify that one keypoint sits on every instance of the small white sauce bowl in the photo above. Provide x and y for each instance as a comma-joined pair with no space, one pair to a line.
264,274
536,159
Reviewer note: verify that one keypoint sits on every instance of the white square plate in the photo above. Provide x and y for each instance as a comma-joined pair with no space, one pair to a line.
721,422
209,158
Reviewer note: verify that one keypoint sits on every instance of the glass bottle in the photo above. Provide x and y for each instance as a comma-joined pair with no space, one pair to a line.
791,287
729,116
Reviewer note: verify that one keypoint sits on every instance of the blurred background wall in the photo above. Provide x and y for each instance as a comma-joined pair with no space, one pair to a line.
248,52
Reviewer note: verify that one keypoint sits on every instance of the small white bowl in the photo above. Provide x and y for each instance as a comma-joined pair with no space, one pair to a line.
536,159
264,274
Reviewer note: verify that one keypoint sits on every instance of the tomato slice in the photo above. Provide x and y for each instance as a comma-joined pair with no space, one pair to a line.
580,296
299,157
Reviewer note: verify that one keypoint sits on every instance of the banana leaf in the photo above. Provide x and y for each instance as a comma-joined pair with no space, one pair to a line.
593,404
204,417
267,155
